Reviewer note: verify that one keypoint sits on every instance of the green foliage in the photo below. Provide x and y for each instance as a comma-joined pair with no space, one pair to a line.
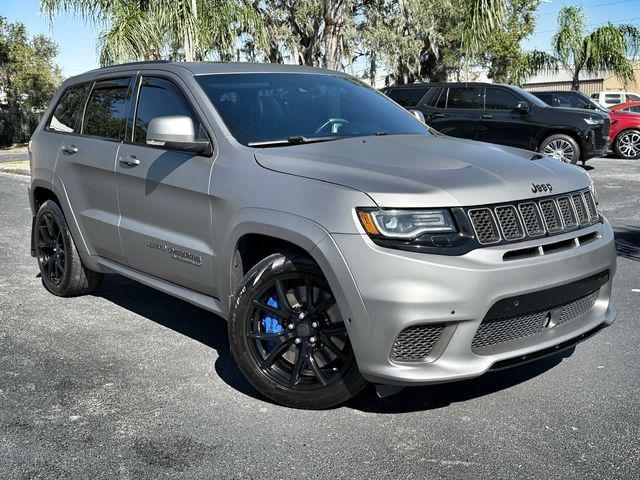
174,29
28,78
606,48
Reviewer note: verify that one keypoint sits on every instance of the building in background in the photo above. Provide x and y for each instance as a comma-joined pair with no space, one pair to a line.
589,84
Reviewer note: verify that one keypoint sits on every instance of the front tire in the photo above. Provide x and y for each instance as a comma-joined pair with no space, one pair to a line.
627,145
288,336
62,271
561,147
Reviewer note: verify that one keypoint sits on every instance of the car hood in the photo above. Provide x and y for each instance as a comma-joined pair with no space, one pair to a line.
418,171
580,112
624,115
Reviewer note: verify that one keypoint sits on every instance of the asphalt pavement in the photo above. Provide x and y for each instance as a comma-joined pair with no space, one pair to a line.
132,383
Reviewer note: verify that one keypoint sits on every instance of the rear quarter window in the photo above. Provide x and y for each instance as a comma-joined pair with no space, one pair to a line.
67,114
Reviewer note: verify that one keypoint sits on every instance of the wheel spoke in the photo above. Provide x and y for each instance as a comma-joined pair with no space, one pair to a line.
309,287
298,363
267,308
327,342
322,306
268,337
335,332
313,365
282,296
275,353
60,266
46,238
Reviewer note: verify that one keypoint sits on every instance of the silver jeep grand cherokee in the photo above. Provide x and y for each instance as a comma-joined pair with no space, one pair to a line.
342,239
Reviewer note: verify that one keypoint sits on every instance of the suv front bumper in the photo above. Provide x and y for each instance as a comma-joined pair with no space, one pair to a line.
381,292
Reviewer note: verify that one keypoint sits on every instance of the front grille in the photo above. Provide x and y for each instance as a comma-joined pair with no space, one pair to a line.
551,216
416,343
496,331
581,209
591,205
509,222
533,218
484,225
568,215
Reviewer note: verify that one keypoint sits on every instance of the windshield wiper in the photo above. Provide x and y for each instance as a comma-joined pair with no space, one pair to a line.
295,140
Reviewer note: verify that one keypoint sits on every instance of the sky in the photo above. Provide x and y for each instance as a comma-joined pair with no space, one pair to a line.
77,40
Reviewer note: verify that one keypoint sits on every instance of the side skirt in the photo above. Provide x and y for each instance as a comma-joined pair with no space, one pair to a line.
205,302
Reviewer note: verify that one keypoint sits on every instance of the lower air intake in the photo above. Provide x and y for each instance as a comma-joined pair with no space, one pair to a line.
416,343
501,330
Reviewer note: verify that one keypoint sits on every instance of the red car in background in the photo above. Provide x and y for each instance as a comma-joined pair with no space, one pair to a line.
625,119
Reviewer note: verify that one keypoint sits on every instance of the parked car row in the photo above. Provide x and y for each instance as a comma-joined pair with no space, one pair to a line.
507,115
625,124
566,125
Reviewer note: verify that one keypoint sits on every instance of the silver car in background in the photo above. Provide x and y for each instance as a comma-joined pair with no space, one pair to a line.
342,239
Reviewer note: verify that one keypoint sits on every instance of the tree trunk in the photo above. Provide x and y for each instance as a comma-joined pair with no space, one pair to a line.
190,39
575,83
333,23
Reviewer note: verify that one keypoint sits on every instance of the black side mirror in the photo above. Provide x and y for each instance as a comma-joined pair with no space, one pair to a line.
523,107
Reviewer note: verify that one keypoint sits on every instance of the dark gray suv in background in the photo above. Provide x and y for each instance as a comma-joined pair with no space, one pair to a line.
341,239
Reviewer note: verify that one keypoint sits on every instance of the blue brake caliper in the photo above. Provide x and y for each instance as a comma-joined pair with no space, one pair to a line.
270,323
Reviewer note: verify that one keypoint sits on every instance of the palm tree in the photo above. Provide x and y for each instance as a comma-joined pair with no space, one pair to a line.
152,29
606,48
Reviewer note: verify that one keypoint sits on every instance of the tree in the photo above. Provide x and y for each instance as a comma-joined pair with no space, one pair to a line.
609,47
505,59
28,78
426,39
152,29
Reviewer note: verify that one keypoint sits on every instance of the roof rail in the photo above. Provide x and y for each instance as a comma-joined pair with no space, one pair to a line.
141,62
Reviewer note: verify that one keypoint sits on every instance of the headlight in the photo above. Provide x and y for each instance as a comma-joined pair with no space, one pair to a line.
594,121
405,224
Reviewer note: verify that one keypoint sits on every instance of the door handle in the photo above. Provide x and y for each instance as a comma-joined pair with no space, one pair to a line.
129,160
486,116
439,115
70,149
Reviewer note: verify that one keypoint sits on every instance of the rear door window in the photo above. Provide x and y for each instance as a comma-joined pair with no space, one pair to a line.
158,98
570,100
407,97
546,98
105,114
632,98
500,99
67,116
465,98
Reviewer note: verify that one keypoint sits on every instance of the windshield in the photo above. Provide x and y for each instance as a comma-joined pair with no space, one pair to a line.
531,98
591,102
275,107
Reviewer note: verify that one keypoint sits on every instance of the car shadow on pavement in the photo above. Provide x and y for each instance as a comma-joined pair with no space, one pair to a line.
433,397
628,242
181,317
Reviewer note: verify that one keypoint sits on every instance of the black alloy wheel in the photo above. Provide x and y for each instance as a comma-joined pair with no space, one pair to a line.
288,335
50,247
295,335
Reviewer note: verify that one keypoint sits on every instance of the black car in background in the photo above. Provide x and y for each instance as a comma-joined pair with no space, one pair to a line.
507,115
569,98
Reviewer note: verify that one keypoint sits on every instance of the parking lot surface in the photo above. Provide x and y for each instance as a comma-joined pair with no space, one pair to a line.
132,383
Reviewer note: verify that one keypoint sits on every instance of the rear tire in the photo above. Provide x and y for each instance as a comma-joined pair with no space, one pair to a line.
63,273
292,346
627,145
562,147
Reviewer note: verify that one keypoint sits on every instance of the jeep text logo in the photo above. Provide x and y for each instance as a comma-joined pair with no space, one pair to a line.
541,187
